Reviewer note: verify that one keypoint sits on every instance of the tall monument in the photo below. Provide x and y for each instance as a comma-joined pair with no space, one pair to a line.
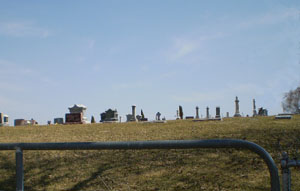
207,112
134,113
237,108
218,112
254,108
197,112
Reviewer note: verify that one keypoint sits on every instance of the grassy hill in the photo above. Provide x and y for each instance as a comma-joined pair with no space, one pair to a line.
194,169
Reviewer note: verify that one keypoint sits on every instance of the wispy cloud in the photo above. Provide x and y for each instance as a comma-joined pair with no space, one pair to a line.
270,18
23,29
11,69
182,47
91,43
185,46
169,74
14,75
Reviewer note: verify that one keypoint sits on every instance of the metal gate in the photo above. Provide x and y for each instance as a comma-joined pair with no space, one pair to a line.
138,145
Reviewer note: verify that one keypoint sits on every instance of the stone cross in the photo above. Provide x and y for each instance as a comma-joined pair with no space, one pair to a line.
197,112
237,108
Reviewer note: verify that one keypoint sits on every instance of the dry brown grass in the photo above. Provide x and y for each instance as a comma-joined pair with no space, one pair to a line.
206,169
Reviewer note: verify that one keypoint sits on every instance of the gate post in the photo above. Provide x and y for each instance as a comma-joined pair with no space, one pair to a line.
19,169
286,172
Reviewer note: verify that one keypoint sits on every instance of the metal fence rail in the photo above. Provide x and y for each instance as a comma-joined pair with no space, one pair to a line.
137,145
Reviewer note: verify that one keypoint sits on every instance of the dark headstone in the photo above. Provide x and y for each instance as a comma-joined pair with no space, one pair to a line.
58,121
74,118
109,116
218,112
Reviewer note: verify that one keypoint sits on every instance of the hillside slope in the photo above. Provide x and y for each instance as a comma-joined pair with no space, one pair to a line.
205,169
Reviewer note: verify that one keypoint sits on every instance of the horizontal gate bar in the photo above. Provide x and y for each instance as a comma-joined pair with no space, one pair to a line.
169,144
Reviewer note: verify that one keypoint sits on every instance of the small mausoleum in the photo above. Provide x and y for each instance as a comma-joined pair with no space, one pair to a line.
109,116
76,115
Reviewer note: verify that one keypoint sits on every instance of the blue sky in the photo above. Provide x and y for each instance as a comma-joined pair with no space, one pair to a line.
154,54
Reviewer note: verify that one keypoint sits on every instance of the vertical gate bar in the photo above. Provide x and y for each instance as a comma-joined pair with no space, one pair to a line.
19,170
286,172
286,179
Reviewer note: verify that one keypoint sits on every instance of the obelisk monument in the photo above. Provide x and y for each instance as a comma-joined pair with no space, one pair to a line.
207,112
254,108
134,113
197,112
237,108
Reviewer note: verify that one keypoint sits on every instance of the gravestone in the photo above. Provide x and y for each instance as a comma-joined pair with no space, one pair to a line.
134,113
157,116
262,112
254,108
23,122
109,116
4,120
218,112
129,117
227,114
93,119
74,118
237,107
197,112
138,117
78,108
180,112
19,122
58,121
207,112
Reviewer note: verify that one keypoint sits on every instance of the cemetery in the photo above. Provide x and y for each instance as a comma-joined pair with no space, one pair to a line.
144,170
150,95
77,115
131,170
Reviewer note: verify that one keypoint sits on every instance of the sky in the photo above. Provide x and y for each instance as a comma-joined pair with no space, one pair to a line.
154,54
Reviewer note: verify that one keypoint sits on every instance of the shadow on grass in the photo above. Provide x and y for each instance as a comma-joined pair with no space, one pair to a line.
44,170
83,184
